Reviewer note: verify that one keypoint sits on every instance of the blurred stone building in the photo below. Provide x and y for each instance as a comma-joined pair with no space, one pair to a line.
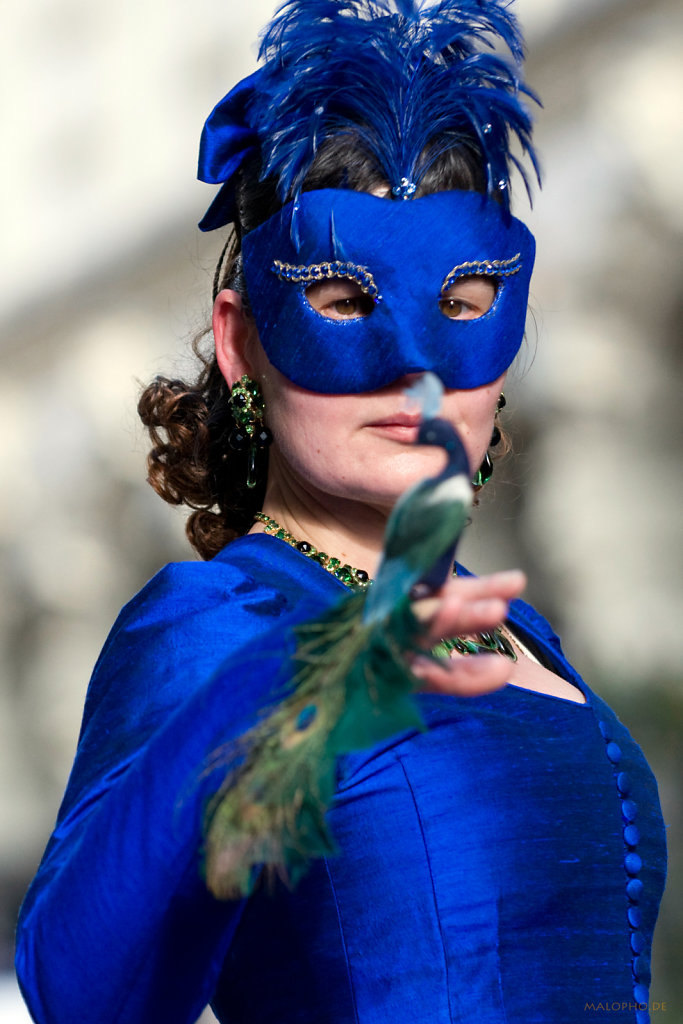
105,278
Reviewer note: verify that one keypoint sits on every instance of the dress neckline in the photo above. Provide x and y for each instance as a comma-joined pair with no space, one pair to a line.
515,621
556,663
585,703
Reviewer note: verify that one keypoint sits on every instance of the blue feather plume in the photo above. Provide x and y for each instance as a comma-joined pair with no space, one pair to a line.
408,80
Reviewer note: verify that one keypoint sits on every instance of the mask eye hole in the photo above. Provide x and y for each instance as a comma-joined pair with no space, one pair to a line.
469,297
339,298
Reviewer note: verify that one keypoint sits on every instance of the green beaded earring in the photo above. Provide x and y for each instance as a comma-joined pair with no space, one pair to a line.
485,471
250,433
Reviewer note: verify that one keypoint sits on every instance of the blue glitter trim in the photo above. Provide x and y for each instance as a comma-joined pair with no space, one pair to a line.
486,268
323,271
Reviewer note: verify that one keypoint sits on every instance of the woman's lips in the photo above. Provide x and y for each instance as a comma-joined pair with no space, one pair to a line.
398,426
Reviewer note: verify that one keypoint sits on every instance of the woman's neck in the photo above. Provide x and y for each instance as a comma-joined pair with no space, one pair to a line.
348,530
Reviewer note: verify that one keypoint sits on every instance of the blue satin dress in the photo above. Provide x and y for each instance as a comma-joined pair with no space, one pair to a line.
504,867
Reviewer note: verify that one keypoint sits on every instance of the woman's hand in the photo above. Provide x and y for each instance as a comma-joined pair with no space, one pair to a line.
464,606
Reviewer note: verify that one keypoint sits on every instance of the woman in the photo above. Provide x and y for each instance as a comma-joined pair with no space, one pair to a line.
506,863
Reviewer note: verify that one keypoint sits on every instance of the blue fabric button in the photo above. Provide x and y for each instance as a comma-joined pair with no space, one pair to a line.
631,835
629,809
634,889
605,731
638,942
613,752
641,970
641,994
634,917
633,863
623,784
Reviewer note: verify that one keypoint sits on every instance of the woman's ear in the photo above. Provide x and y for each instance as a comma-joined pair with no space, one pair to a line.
233,332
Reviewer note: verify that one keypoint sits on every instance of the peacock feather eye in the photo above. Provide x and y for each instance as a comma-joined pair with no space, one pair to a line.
306,717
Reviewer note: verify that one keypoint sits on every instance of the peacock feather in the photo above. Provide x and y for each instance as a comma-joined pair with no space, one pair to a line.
351,688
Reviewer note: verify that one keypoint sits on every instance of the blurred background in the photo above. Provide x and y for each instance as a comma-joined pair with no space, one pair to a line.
105,279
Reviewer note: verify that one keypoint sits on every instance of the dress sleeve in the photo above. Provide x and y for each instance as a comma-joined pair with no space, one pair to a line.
118,924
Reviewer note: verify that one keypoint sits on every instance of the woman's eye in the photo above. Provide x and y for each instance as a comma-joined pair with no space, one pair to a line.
468,298
453,308
339,298
359,305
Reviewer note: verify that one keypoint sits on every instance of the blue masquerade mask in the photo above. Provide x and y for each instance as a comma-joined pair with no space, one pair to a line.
405,255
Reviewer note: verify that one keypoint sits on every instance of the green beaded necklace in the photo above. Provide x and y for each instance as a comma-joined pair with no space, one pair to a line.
357,579
492,641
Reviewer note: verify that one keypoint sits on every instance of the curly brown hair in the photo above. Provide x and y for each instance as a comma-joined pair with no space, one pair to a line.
191,462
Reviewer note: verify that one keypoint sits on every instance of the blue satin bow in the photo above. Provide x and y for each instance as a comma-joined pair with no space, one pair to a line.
227,140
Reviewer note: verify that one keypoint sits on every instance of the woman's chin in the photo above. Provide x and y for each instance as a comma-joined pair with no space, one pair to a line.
381,490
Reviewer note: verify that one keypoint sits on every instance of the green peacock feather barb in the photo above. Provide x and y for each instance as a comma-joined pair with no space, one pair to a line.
351,688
